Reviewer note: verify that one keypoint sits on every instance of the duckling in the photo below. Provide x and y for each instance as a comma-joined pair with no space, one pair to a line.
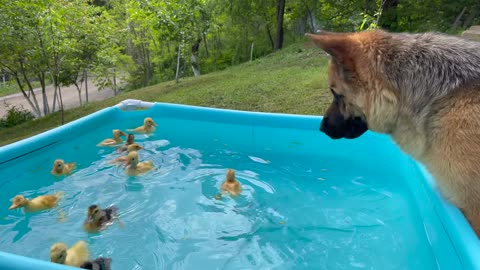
148,126
130,148
98,219
62,168
98,264
130,140
134,167
231,185
37,204
116,138
74,256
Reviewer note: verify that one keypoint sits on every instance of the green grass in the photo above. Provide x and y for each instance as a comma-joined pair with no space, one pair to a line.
293,80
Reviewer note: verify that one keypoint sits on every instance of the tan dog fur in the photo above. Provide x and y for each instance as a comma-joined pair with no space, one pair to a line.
445,136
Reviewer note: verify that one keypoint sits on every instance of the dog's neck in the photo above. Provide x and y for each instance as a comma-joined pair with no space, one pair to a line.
409,136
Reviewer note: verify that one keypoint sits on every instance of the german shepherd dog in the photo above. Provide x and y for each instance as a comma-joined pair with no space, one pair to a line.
421,89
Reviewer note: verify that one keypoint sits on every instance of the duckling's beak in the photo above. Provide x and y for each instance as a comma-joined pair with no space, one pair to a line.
154,124
122,134
14,206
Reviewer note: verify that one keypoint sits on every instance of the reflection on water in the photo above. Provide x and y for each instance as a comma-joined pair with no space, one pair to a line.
292,213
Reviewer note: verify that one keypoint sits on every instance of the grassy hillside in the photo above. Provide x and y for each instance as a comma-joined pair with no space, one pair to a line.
291,81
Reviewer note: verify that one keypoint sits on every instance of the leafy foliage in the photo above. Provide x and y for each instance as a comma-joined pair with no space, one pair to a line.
137,42
15,116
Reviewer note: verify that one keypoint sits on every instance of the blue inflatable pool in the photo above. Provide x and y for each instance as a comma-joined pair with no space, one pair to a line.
308,202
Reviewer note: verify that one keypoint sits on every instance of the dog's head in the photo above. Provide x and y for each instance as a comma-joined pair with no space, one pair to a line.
361,100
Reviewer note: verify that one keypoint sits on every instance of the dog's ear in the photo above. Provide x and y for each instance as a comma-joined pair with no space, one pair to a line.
339,46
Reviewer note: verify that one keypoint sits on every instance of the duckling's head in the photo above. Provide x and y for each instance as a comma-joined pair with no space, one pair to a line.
58,253
94,212
134,147
231,175
18,201
148,122
117,133
130,139
58,165
132,158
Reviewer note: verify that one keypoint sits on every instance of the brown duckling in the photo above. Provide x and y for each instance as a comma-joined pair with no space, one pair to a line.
74,256
231,185
124,159
36,204
148,126
98,264
62,168
98,219
134,167
130,140
115,140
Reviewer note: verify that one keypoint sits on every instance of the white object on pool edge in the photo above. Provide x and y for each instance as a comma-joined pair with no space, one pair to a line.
133,104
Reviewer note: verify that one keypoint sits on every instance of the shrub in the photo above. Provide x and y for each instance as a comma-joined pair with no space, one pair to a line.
15,116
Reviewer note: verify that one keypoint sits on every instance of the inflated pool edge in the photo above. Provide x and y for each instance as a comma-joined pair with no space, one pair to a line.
461,236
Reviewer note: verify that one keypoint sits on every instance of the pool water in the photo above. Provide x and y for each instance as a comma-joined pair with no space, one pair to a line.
307,202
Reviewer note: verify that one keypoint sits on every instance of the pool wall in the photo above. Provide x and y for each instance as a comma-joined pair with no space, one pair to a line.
454,245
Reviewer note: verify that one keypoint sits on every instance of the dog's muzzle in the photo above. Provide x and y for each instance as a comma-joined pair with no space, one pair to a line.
337,127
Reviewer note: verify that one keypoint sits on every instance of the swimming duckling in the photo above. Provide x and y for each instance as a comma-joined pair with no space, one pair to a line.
130,140
36,204
97,218
98,264
148,126
134,167
130,148
231,185
116,138
62,168
74,256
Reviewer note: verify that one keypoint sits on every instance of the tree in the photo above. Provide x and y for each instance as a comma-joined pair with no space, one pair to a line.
279,37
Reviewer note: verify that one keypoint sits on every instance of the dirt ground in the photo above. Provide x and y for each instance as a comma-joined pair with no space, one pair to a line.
69,96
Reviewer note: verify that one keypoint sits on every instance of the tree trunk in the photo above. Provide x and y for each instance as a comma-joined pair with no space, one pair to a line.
205,43
456,23
30,89
61,104
178,65
280,12
55,95
114,83
194,60
85,74
46,107
79,90
269,33
36,111
251,53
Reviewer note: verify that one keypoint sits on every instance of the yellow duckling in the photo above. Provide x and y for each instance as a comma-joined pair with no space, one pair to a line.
230,185
116,138
74,256
37,204
62,168
98,219
130,148
148,126
134,167
130,140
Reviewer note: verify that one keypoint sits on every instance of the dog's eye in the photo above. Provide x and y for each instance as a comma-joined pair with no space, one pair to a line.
335,95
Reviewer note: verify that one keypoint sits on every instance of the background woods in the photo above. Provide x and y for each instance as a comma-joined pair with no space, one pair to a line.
128,44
